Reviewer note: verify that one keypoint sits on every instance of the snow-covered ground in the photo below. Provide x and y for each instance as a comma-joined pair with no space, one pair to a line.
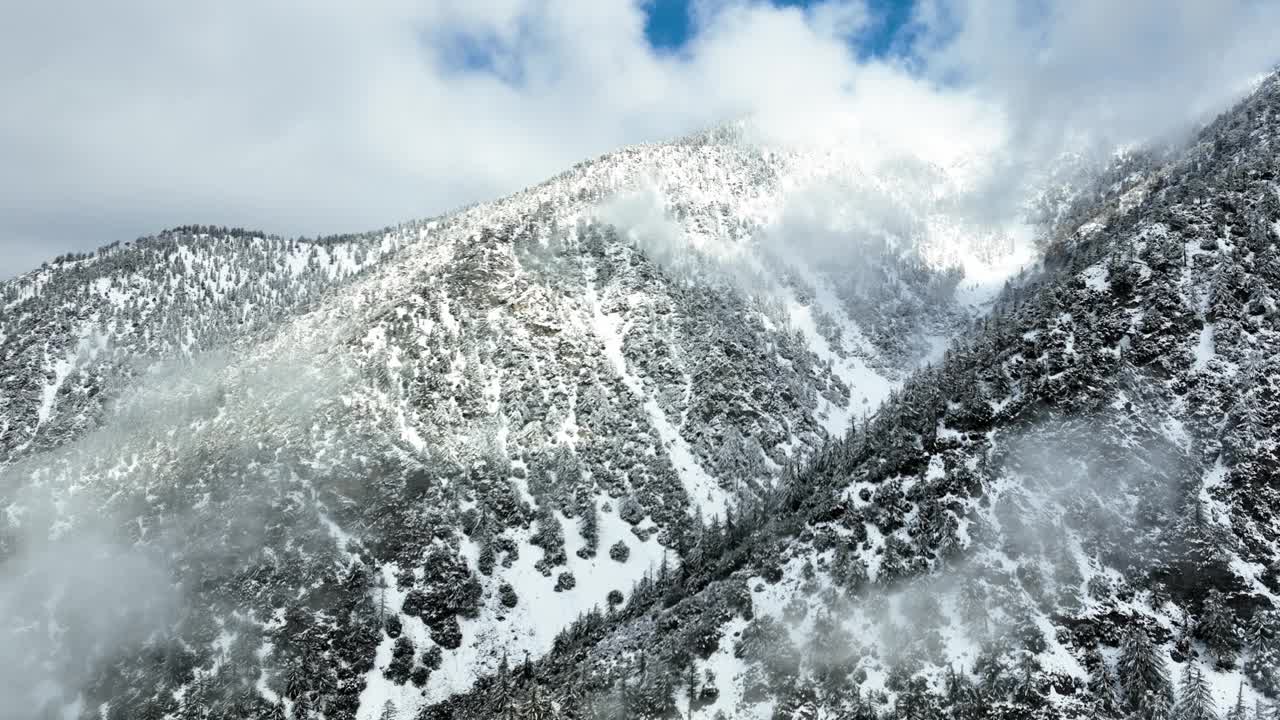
529,628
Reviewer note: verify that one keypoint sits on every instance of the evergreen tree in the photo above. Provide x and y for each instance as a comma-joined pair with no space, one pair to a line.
574,701
589,529
1144,678
1195,701
1102,683
401,660
1262,663
1217,627
691,686
502,694
800,704
1239,711
537,706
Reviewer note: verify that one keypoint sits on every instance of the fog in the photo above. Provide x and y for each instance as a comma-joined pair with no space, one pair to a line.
71,603
103,536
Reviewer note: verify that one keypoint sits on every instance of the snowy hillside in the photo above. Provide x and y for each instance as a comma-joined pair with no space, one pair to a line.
349,477
1072,515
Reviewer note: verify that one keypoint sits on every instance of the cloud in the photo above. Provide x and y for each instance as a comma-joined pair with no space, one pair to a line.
1125,71
326,117
87,577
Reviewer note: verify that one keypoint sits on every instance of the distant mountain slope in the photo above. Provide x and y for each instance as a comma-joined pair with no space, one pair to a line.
71,330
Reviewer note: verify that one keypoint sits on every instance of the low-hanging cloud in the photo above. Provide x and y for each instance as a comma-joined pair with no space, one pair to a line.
329,117
100,537
1089,76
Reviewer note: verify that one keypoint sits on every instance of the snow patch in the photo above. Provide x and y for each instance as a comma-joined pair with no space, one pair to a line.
1204,349
703,490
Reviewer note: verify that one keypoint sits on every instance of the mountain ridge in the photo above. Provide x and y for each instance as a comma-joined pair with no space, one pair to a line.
373,466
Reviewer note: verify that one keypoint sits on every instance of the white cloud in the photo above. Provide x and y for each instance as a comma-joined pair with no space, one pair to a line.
1124,70
122,118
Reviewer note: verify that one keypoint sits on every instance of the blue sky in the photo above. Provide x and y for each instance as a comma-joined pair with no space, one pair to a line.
669,27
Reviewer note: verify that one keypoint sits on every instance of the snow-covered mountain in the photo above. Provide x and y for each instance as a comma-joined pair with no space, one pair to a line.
567,450
1071,515
500,415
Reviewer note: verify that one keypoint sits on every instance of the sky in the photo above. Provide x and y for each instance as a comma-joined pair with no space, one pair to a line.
325,117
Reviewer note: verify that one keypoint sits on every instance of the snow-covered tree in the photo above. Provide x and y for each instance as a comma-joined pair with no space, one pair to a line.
1262,658
1217,628
1195,700
1144,677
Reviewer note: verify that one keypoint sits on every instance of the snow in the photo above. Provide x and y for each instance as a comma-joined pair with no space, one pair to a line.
378,690
261,684
729,672
567,434
1095,278
49,393
1224,685
960,648
867,387
867,553
936,469
607,329
1204,349
1056,657
343,539
985,277
705,493
703,490
1217,510
532,625
1176,431
1252,573
946,433
542,612
447,319
1132,198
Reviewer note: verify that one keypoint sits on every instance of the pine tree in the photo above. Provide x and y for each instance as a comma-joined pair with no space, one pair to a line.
502,695
1195,701
401,660
537,706
798,706
1217,627
1102,683
1262,664
962,700
691,685
589,529
1144,679
1239,711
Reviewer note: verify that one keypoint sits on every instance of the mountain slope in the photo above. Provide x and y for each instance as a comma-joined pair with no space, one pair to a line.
1071,516
245,476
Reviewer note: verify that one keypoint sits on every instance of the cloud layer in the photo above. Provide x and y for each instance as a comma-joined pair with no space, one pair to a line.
322,117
